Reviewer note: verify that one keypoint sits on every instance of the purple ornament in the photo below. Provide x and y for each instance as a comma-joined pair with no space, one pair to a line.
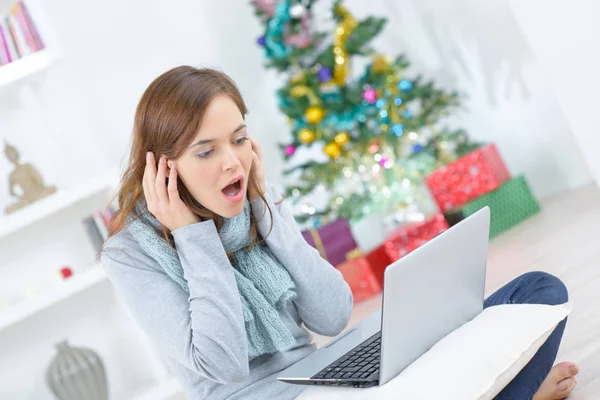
290,150
261,41
383,161
370,95
324,74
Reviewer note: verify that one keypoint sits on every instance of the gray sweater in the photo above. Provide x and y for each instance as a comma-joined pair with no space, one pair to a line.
202,335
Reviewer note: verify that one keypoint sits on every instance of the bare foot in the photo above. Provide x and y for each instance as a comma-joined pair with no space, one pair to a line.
559,383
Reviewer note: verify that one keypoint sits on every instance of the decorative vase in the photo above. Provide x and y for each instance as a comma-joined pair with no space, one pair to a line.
77,374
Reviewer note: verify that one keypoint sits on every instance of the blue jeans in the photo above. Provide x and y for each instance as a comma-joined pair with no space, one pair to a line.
532,288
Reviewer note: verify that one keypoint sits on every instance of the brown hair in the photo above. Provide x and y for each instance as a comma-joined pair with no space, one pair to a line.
167,120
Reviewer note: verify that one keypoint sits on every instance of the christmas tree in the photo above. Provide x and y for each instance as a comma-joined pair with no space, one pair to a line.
376,132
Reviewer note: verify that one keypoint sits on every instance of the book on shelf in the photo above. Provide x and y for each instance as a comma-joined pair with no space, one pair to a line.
6,45
39,44
19,35
97,225
93,233
17,13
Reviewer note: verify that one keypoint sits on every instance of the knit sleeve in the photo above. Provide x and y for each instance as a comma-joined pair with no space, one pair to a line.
324,299
204,330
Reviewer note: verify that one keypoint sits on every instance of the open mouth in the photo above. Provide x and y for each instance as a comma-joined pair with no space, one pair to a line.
233,189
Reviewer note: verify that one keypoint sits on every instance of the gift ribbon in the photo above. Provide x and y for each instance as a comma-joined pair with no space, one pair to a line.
351,255
318,243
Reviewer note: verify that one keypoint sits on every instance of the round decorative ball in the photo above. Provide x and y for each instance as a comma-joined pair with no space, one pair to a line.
314,114
370,95
306,135
290,150
333,150
342,138
324,74
261,41
405,85
380,64
374,146
417,148
297,11
398,129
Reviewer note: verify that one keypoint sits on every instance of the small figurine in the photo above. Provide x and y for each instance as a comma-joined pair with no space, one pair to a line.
27,178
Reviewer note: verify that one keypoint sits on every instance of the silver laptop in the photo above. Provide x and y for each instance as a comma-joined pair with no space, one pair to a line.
427,294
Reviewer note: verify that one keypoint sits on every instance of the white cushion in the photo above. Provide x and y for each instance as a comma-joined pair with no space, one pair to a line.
474,362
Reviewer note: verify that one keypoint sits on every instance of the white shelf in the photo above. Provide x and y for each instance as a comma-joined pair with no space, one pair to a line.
56,202
162,391
25,66
71,286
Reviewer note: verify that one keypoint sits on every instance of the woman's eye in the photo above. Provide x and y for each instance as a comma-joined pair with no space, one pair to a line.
206,154
241,140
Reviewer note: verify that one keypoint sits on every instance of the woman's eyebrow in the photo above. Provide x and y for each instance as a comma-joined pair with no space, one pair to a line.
204,141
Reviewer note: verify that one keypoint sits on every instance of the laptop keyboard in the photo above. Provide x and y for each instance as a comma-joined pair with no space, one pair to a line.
360,363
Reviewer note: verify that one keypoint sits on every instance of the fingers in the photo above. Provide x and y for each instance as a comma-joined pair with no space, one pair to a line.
161,185
255,146
148,180
172,188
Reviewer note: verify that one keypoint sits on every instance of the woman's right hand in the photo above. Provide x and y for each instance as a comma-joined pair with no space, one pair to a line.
164,202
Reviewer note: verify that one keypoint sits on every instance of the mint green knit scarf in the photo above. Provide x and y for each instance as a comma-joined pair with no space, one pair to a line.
263,283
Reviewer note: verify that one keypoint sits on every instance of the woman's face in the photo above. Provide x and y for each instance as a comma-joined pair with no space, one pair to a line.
219,155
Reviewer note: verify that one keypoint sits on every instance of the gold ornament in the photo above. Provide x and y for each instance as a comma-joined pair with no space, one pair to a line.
380,63
333,150
303,90
314,114
306,136
342,138
341,69
444,154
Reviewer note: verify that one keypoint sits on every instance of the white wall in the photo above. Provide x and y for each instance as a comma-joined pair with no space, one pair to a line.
564,39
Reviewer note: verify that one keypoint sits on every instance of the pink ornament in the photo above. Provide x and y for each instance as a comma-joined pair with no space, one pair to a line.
383,161
290,150
299,40
266,6
302,39
370,95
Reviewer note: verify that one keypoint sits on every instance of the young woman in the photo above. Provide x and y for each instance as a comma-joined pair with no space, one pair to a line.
214,268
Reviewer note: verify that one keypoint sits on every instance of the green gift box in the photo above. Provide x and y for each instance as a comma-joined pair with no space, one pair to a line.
509,205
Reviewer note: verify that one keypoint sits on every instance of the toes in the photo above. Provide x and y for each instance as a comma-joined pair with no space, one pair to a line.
566,386
564,370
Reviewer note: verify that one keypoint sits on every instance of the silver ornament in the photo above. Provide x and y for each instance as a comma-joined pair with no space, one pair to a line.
297,11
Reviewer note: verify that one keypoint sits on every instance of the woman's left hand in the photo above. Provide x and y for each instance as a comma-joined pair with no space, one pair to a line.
257,166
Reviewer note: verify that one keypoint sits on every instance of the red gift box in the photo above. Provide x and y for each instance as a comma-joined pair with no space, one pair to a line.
360,277
473,175
378,260
409,237
364,273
